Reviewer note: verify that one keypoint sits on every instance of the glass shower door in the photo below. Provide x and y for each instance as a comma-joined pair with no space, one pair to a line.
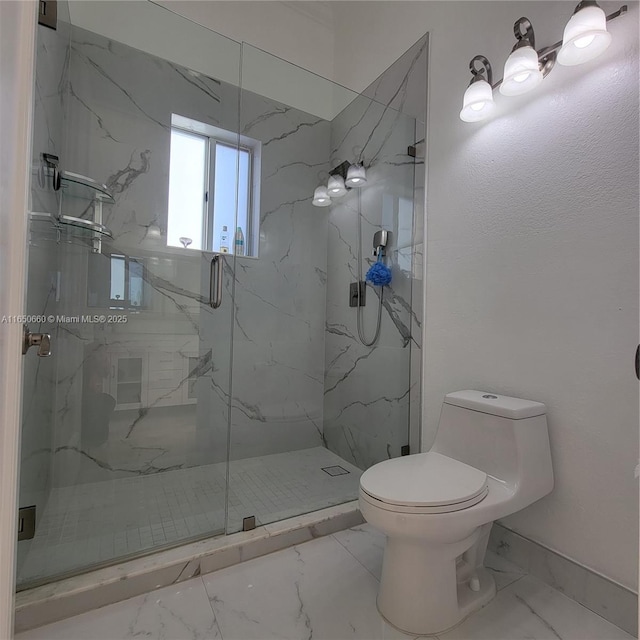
311,406
125,430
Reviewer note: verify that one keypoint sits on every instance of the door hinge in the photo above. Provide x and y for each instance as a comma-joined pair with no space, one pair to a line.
48,13
248,523
26,523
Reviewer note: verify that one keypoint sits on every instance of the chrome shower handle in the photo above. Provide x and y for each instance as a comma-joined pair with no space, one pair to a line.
40,340
215,282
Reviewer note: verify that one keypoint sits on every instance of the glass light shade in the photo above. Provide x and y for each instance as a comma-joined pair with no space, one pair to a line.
321,197
477,103
585,37
521,72
356,176
336,187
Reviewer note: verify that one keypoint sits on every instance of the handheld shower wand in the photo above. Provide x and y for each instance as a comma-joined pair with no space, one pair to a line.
378,274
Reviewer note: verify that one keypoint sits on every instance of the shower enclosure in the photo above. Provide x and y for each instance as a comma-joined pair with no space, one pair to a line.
198,385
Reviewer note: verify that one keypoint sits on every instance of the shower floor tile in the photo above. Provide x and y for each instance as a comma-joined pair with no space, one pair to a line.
93,523
325,588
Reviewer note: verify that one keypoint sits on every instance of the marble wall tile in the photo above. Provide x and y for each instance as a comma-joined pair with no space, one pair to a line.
372,394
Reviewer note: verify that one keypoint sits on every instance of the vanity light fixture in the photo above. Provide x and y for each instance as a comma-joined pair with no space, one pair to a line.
321,197
336,187
585,37
356,176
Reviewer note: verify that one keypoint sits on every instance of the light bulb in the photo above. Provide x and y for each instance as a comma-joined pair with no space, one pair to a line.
585,36
321,197
477,103
521,71
356,176
336,187
521,77
581,43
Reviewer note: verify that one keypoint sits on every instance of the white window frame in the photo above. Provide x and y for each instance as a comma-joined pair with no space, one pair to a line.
214,136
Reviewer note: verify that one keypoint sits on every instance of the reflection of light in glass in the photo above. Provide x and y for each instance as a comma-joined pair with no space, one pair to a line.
136,284
117,277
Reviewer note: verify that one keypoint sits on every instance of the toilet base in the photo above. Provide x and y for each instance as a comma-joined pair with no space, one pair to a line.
419,593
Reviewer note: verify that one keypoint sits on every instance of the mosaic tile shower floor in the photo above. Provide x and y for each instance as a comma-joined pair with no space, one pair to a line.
93,523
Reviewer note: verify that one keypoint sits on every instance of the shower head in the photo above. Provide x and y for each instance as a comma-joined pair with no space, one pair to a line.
380,241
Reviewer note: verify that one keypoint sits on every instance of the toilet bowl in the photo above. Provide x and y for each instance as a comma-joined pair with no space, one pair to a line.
491,458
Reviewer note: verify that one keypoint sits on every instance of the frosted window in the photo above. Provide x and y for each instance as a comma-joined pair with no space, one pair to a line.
187,189
213,183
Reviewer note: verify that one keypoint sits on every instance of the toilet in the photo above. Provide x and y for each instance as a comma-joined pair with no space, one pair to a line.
491,458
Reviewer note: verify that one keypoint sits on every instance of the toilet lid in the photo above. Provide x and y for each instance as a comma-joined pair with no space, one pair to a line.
424,479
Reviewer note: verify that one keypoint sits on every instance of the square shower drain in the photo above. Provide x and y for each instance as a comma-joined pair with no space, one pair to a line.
336,470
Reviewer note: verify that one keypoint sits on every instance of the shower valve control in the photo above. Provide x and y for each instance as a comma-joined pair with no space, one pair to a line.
358,298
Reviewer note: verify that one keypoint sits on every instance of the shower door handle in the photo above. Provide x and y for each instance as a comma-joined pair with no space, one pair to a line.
638,362
40,340
215,282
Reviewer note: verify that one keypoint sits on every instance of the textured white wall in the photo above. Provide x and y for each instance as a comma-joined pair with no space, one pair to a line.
532,258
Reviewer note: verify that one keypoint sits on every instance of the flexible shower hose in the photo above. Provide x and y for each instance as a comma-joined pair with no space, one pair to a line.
361,335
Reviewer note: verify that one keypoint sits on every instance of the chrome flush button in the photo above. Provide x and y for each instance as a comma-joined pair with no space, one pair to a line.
488,396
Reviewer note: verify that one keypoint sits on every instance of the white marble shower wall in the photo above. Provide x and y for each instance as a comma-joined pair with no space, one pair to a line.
369,391
121,102
278,341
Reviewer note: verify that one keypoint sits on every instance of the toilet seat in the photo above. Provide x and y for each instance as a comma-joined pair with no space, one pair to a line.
424,483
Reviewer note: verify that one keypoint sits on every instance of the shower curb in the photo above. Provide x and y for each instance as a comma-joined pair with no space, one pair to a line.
79,594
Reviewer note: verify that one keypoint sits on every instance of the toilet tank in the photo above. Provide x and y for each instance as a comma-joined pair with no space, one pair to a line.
505,437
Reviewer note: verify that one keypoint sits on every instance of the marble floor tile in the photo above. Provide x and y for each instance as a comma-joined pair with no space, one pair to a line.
326,590
317,590
528,609
366,544
180,612
504,572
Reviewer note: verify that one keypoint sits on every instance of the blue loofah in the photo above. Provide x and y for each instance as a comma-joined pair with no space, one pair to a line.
379,274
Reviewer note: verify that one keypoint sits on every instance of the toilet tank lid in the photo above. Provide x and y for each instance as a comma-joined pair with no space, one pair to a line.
495,404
